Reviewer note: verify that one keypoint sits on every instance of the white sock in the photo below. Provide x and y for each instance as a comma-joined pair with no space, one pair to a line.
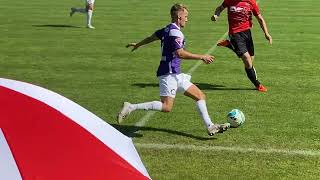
89,16
154,105
80,10
202,109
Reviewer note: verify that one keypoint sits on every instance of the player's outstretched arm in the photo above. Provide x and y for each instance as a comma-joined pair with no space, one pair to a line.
263,26
147,40
217,13
183,54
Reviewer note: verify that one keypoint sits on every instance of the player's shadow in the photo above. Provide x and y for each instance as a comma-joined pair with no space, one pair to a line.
202,86
144,85
206,86
133,132
55,26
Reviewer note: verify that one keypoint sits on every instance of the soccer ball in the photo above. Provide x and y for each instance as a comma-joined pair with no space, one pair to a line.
235,117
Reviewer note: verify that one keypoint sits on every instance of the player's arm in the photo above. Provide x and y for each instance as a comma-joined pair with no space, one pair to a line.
183,54
217,13
145,41
263,26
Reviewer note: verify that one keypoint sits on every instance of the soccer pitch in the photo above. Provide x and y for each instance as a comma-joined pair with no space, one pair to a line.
42,45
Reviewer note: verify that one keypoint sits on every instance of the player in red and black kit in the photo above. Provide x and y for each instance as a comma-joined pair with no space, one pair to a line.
240,40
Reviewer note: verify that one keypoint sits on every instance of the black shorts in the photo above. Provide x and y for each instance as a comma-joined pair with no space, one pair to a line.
242,42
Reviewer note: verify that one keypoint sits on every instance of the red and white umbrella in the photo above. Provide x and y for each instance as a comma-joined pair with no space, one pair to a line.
45,136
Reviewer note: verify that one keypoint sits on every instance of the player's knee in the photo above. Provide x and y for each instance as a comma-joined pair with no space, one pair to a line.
166,108
202,96
89,7
246,58
247,64
199,96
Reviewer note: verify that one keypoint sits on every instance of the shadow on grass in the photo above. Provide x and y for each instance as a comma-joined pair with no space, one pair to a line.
143,85
56,26
133,132
206,86
202,86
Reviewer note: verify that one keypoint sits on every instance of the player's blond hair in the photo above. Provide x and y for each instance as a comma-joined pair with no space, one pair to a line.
175,10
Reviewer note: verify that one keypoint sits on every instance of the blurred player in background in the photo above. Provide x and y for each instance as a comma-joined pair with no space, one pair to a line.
87,10
171,80
240,40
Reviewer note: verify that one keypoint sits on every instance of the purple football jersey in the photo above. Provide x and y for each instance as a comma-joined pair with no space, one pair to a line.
172,39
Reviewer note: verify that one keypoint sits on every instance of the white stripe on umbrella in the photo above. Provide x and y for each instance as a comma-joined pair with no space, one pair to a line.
8,167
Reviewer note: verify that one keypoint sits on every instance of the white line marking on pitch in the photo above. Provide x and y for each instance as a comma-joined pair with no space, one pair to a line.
146,117
211,50
232,149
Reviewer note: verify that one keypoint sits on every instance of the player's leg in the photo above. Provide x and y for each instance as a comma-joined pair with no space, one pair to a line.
251,73
225,43
168,88
249,68
90,7
195,93
127,108
244,49
165,105
79,10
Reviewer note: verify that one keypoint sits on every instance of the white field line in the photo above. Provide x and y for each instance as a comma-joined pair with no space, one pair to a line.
146,118
211,50
292,152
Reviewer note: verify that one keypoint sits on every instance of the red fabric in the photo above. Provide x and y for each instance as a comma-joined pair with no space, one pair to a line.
49,146
240,14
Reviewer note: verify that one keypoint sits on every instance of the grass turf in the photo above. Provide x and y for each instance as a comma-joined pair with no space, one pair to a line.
40,44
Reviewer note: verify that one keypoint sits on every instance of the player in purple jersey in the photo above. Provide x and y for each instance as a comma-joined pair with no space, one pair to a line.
171,80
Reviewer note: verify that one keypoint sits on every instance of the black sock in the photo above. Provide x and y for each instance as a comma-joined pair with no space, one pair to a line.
251,73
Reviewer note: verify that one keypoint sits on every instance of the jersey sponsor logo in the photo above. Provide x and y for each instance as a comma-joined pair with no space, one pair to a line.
236,9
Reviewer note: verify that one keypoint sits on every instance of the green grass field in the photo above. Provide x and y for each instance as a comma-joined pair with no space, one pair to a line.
42,45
